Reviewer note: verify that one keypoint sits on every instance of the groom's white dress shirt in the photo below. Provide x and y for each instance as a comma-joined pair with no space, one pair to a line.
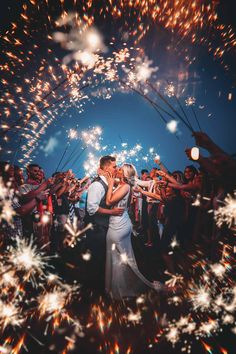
95,194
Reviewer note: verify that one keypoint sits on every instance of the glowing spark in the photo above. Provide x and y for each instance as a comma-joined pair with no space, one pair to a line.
7,212
170,90
227,213
207,347
174,243
143,70
124,258
52,301
218,269
73,134
134,317
190,101
197,201
86,256
201,299
172,126
25,256
74,231
45,218
9,314
173,335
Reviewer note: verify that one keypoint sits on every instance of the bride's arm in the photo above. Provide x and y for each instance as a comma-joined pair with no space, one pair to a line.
151,195
114,197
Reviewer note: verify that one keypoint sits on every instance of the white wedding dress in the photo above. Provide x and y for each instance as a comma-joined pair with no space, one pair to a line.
122,278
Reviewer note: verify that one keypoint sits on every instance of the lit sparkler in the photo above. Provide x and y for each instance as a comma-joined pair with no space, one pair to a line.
227,213
26,257
190,101
73,134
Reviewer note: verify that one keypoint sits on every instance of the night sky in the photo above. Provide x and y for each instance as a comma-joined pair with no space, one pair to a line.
129,118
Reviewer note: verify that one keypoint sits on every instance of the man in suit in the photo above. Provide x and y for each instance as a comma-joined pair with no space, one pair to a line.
98,213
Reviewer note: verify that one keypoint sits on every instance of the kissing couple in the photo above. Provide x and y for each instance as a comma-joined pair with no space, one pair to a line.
112,258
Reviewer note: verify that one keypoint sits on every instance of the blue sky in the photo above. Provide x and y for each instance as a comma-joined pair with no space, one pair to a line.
130,118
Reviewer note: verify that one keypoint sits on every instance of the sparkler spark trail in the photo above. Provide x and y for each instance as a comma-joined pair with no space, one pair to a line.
186,20
213,306
53,301
227,213
201,298
74,232
92,137
9,315
73,134
25,256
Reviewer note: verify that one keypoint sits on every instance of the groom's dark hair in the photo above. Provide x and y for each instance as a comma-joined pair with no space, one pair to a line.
106,160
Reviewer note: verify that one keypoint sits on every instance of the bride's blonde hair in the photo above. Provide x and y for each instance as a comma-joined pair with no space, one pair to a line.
130,173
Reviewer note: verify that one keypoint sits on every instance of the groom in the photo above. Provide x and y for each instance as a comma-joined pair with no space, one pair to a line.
98,213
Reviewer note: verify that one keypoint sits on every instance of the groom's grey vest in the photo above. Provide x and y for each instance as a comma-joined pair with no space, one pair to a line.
98,219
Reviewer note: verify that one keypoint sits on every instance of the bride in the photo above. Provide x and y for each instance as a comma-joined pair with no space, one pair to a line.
122,278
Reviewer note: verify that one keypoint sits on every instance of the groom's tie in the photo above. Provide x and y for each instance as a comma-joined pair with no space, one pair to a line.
71,212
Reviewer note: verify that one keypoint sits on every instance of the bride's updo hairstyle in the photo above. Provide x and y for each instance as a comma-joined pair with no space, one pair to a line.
130,173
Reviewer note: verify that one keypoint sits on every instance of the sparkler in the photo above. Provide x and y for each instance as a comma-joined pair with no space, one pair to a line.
9,315
73,134
53,307
171,107
74,232
190,102
227,213
172,92
25,256
143,70
53,301
201,298
6,198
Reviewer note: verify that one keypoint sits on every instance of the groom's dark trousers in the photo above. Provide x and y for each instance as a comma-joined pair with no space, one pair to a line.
96,244
95,268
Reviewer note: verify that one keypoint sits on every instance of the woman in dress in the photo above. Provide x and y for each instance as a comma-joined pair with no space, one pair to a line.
123,279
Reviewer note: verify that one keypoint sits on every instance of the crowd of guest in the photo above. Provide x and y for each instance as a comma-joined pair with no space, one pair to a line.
176,208
41,207
168,208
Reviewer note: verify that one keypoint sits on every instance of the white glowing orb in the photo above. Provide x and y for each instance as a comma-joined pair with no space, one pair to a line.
195,153
172,126
45,218
94,39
